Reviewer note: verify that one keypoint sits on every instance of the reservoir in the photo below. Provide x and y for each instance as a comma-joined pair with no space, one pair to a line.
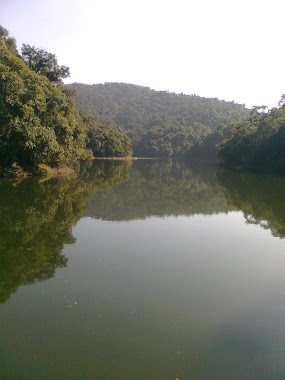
140,270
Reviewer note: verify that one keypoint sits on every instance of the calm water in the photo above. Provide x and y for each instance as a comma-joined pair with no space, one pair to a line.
144,270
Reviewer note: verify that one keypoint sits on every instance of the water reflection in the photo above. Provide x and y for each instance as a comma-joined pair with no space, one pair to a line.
36,220
199,296
259,196
161,188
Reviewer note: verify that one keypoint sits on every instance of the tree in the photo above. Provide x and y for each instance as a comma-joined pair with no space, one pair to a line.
44,63
282,101
38,122
9,41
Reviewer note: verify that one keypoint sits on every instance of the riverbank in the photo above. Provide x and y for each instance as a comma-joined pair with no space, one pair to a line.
116,158
45,171
48,172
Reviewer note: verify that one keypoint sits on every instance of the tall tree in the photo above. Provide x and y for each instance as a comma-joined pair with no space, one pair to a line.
44,63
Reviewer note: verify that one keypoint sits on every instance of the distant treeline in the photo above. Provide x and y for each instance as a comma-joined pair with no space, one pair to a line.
38,121
159,123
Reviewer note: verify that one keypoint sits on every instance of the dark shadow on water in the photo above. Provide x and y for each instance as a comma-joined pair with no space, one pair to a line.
259,196
36,220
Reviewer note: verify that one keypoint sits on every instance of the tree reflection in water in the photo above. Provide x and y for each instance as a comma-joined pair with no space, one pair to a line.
37,217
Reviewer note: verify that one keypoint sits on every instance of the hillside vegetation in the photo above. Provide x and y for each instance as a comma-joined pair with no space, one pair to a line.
258,142
38,121
158,122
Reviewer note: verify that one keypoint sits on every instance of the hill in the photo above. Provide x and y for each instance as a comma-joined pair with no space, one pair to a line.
158,122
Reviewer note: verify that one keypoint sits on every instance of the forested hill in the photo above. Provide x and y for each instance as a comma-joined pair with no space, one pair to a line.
159,123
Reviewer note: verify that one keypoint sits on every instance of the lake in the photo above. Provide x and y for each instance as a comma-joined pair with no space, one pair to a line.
141,270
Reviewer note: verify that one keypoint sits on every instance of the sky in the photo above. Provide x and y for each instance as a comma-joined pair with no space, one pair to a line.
231,50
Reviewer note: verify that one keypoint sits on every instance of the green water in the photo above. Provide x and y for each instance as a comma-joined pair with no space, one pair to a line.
144,270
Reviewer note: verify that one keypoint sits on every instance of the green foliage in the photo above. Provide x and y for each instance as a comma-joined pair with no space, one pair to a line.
44,63
164,141
9,41
257,143
207,147
159,123
38,122
105,141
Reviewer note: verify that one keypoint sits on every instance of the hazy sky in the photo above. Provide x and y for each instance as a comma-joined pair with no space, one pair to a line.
233,50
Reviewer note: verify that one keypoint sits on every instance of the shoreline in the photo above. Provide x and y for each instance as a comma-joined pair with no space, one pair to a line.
115,158
41,171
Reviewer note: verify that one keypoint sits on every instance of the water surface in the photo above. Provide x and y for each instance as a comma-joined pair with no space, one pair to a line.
144,270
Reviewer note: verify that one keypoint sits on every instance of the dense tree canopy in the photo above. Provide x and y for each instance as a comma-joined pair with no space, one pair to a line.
105,141
206,148
38,121
258,142
158,122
